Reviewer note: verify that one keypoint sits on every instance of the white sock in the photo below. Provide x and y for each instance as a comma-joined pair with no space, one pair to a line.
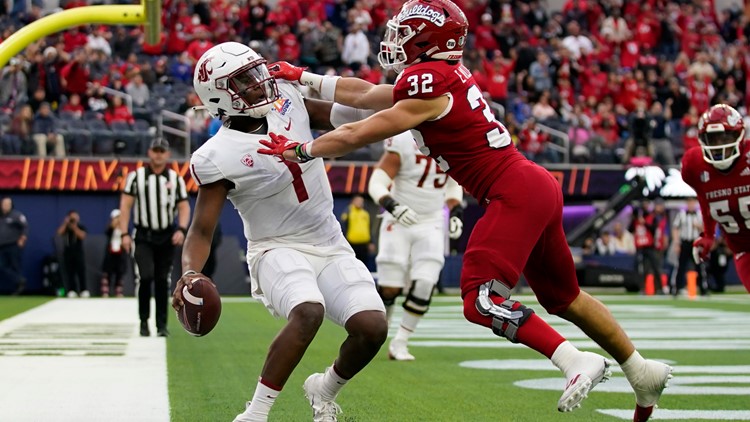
408,324
262,401
332,384
565,357
633,366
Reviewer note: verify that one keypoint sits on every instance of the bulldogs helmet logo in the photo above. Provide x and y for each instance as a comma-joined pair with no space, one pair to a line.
204,71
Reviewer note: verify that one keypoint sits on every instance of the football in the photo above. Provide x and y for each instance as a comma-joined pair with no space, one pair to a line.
202,307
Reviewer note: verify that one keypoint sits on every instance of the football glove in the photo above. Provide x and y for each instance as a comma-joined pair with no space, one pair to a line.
286,71
702,248
278,144
404,215
456,222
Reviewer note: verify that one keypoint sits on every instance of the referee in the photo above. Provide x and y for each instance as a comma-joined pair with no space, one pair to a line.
686,227
156,194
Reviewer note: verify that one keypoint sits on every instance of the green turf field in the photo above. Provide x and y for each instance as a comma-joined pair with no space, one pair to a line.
10,306
463,372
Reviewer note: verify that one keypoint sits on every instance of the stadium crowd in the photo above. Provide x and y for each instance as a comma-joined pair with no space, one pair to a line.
605,81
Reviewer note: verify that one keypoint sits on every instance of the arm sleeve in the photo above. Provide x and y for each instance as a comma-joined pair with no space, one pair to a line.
378,185
453,190
341,114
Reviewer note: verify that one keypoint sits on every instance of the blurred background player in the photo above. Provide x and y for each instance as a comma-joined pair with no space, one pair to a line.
521,230
714,170
413,189
301,266
115,261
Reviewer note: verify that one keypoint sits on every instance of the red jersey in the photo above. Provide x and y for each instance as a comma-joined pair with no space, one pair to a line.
724,197
466,141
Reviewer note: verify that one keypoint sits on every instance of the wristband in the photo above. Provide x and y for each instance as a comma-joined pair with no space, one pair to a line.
125,234
301,151
389,204
313,80
328,88
189,272
183,230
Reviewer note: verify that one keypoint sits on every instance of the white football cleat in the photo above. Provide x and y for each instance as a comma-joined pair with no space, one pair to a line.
397,350
323,410
648,388
248,417
592,370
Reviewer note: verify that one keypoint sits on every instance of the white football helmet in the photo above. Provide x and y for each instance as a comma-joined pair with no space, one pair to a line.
232,80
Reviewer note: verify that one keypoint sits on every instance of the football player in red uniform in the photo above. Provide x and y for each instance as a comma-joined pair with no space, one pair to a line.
521,231
717,172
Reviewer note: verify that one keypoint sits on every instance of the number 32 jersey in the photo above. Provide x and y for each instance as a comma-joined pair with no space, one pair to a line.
278,202
466,141
724,197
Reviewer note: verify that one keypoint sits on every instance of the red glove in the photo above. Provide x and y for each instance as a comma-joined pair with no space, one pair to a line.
279,144
286,71
702,248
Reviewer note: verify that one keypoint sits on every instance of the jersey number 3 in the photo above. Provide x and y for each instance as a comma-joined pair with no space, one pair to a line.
497,137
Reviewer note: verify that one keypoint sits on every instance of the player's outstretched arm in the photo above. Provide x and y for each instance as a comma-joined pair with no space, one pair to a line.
197,246
353,92
378,188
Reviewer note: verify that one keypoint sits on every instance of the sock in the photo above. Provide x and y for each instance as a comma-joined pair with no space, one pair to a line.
262,401
408,324
539,335
633,367
389,313
332,383
565,357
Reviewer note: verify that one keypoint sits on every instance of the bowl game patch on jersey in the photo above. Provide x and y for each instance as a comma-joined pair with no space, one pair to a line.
282,105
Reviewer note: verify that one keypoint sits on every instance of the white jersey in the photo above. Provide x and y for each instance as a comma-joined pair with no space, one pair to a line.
420,183
280,203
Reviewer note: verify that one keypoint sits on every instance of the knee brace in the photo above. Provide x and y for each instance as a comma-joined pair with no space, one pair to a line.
387,299
508,316
419,297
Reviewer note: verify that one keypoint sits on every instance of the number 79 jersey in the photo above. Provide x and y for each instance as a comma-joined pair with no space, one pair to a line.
419,183
465,140
723,197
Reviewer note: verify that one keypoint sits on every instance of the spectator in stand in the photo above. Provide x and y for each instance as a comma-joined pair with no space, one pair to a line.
498,74
98,40
330,45
199,119
533,143
579,134
200,43
484,36
614,29
640,129
578,45
13,85
74,77
73,234
73,106
182,69
97,99
21,128
44,133
543,110
117,111
605,244
52,67
309,38
138,91
623,239
541,72
356,48
289,48
257,18
690,126
663,151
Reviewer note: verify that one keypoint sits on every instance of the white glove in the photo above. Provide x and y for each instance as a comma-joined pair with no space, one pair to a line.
405,215
455,227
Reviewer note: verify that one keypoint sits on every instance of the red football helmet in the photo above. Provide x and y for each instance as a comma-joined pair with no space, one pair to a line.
423,29
720,133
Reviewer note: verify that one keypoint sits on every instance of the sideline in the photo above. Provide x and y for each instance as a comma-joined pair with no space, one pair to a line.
82,360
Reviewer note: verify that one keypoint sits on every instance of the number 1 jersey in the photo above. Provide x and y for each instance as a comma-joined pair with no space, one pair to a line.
466,140
278,202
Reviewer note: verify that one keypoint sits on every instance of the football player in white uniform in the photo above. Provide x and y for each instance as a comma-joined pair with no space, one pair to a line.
413,189
301,266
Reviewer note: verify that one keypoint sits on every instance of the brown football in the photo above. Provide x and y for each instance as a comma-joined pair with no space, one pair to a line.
202,307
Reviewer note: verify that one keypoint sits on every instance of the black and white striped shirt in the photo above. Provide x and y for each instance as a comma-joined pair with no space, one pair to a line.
156,197
689,224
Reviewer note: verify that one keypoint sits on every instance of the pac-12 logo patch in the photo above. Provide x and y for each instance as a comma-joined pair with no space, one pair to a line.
282,105
247,160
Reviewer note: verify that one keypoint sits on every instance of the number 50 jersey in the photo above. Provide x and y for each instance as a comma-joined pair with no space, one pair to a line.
724,197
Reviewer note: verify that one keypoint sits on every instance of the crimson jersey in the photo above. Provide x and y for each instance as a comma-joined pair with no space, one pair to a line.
466,141
724,197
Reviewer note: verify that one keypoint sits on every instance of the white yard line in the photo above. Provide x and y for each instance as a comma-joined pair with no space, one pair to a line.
82,360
